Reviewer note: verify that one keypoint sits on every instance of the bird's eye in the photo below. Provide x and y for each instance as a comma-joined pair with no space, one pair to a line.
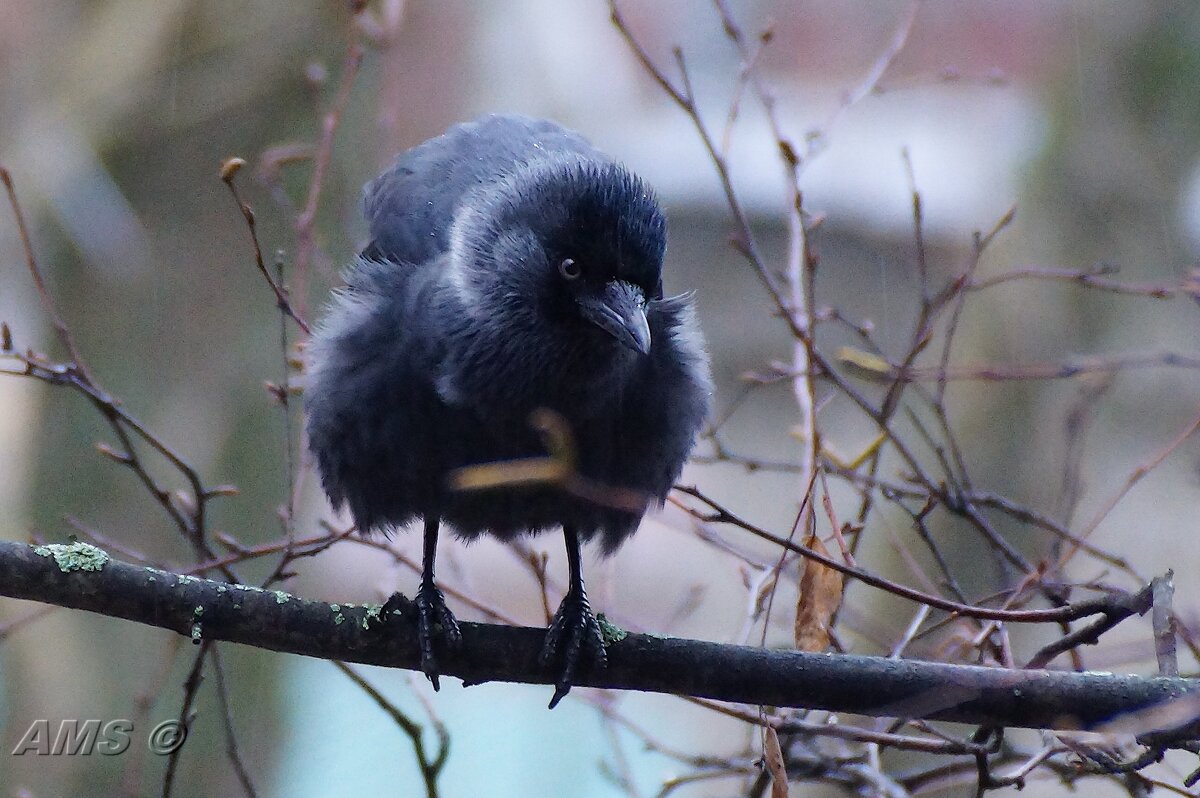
570,270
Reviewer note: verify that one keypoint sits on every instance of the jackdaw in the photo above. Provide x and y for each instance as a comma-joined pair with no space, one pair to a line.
511,269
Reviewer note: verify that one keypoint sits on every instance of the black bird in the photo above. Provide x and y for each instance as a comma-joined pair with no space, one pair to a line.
511,268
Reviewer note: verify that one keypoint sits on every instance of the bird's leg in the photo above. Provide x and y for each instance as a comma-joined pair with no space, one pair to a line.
574,636
432,611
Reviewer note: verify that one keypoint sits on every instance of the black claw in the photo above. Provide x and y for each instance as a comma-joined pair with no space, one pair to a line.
574,639
434,620
397,604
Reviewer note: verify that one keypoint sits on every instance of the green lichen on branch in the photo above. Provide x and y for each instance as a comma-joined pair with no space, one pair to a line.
372,615
610,631
76,556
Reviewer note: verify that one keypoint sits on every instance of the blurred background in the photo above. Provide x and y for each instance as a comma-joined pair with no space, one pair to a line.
114,118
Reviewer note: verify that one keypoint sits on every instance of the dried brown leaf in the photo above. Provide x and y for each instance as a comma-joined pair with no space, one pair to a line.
820,597
773,758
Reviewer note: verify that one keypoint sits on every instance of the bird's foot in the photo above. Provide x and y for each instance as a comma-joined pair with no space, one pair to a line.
574,639
434,620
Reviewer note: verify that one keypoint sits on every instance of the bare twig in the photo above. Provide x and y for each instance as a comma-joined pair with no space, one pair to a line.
35,271
191,686
430,767
231,745
229,168
1136,476
187,512
720,514
870,82
1096,278
305,223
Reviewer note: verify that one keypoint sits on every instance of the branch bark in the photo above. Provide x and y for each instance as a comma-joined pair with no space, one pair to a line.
79,576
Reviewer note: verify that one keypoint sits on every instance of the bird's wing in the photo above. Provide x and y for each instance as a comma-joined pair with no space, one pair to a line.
410,207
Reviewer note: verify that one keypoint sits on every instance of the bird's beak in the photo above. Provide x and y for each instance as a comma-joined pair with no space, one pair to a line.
619,309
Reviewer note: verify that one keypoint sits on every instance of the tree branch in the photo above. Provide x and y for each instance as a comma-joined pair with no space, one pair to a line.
81,576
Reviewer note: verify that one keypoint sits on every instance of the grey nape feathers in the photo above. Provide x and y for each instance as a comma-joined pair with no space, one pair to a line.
511,267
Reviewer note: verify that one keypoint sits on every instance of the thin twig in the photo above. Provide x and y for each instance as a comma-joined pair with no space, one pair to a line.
191,686
1071,612
229,168
870,82
1136,476
1089,278
305,223
430,768
231,745
35,271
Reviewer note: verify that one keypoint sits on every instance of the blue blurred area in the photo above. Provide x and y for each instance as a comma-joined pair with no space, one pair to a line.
505,742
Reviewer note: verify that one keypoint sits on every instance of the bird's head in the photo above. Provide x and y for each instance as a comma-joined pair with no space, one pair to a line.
573,244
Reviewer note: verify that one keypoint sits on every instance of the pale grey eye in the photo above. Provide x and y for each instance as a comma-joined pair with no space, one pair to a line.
570,270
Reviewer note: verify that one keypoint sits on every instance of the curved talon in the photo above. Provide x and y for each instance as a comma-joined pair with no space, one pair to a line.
574,637
434,620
